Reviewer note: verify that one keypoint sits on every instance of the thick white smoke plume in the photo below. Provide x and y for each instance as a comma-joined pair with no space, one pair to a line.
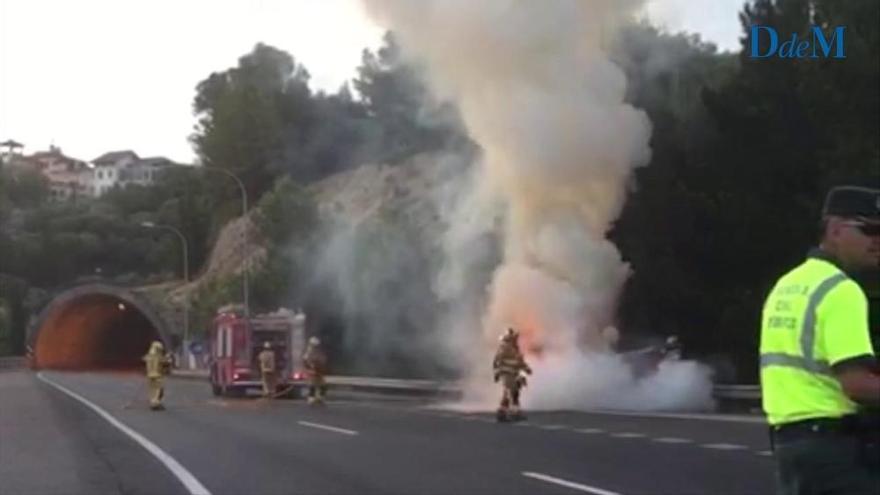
537,92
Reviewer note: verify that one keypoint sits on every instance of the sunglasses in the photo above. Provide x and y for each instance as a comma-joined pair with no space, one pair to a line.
868,229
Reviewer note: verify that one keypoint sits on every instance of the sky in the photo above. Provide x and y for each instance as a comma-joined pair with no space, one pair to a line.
92,76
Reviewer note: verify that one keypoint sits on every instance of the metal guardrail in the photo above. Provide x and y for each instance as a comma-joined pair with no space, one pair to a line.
13,362
362,383
393,385
737,392
726,392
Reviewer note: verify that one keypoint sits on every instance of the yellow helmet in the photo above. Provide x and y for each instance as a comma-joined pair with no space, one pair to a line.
156,347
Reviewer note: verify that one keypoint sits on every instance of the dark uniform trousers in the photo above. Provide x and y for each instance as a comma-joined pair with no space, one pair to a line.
826,457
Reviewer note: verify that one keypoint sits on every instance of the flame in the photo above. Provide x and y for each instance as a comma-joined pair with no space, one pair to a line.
531,334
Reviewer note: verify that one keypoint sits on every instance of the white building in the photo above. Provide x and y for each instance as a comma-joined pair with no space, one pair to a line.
108,170
122,168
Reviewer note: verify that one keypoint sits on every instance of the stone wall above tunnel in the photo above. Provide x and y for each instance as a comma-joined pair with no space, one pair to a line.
95,326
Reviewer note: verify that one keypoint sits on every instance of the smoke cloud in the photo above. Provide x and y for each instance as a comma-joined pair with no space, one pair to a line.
537,92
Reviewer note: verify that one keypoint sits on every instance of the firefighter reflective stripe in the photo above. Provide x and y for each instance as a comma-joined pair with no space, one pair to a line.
806,360
510,365
808,328
798,362
508,359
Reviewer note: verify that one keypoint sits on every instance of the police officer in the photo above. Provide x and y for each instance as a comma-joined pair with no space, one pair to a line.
818,369
508,366
266,357
158,364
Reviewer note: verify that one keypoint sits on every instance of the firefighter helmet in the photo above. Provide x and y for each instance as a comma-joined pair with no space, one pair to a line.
314,341
267,345
156,347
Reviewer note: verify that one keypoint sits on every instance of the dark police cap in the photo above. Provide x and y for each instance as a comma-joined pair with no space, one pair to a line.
857,199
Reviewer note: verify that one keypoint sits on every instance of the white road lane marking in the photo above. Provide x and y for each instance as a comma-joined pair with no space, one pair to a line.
732,418
672,440
328,428
180,472
568,484
628,434
589,430
764,453
553,427
724,446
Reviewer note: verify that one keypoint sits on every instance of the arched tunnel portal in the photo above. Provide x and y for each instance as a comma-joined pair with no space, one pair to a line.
93,327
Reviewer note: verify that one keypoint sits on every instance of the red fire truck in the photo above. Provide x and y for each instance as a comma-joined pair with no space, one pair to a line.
236,341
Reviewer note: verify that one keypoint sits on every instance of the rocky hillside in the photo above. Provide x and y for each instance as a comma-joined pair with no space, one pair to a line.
403,191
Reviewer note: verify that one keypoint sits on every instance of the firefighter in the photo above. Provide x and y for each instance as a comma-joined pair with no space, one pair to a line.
158,364
315,362
508,367
267,370
818,368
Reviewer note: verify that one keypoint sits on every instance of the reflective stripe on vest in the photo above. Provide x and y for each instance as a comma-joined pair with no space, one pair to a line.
806,361
801,363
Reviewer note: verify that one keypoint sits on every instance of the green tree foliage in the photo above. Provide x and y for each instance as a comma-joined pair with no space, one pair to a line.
287,217
341,136
188,203
243,111
261,121
841,98
59,243
287,214
55,244
5,329
21,188
13,312
209,297
409,120
732,196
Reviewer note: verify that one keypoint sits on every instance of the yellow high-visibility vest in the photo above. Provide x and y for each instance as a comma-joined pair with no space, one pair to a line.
814,318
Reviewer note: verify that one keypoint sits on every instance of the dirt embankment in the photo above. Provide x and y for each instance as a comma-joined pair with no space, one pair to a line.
404,191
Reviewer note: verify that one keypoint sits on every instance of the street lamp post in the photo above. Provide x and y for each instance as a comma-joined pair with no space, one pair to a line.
244,211
151,225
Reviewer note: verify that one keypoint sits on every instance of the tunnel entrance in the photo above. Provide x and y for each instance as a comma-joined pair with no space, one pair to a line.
94,328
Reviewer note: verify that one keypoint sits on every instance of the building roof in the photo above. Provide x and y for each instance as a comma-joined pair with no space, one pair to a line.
155,161
114,156
56,153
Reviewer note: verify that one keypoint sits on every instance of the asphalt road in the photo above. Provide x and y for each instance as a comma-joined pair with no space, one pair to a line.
358,444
